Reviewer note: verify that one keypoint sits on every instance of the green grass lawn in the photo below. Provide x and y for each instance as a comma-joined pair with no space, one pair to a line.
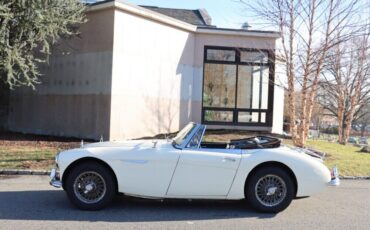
27,157
348,158
23,151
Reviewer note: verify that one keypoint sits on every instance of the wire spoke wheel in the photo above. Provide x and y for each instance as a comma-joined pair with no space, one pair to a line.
270,190
89,187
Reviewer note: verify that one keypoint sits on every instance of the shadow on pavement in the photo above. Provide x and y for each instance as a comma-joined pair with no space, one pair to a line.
54,205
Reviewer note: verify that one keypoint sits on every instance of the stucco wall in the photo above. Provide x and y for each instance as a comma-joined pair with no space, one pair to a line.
74,97
152,77
280,82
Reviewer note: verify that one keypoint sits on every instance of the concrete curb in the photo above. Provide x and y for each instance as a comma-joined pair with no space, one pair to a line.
354,177
47,172
23,172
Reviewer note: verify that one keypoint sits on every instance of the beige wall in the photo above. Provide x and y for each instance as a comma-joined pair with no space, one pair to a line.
152,77
280,82
74,97
158,73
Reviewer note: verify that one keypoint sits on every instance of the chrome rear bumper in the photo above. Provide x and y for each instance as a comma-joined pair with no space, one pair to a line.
335,181
55,179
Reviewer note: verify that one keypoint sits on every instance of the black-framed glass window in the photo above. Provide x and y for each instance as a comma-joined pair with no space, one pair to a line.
221,55
237,86
219,85
254,57
218,116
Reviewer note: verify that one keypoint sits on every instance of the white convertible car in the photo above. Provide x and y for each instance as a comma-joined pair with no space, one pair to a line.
257,169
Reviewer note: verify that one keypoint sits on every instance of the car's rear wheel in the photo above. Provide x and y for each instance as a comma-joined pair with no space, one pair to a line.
270,189
90,186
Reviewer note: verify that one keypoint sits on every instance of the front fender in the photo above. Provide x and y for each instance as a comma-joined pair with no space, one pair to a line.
68,157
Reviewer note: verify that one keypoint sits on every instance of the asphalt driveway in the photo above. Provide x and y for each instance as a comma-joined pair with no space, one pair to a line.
28,202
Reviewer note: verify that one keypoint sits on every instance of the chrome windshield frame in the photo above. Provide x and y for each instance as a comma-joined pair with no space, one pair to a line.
190,136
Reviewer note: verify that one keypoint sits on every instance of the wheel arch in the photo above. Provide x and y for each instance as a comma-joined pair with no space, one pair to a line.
273,164
75,163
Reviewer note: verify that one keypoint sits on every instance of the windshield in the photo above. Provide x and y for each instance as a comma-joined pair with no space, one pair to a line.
183,134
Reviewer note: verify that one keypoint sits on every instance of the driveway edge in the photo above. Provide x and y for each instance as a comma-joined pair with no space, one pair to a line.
23,172
355,177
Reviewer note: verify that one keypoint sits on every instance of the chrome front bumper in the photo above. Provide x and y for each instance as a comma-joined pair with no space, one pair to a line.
335,181
55,178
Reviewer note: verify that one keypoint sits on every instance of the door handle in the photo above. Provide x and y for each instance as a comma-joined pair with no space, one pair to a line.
230,159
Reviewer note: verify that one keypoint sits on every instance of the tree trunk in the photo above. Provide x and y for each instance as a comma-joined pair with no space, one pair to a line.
346,133
290,72
341,138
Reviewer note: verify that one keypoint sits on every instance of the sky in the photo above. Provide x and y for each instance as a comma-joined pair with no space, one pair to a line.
224,13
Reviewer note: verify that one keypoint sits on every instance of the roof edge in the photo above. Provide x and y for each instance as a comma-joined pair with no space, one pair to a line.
152,15
142,12
238,32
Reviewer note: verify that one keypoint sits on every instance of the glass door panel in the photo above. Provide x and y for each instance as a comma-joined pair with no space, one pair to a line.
219,85
264,87
245,87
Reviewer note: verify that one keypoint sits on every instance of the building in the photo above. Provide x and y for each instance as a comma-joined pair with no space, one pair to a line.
138,71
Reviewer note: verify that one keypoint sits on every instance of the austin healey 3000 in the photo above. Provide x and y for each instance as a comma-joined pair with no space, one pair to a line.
258,170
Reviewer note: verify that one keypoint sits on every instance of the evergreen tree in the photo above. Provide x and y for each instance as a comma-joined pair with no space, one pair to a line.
28,29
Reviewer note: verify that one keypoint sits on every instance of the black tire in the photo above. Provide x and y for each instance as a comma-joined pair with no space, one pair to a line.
104,179
260,201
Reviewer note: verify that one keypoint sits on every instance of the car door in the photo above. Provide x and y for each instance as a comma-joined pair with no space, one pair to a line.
147,171
204,173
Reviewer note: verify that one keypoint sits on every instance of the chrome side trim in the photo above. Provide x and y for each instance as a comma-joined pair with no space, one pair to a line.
136,161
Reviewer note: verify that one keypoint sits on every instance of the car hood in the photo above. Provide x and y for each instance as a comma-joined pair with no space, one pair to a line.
131,144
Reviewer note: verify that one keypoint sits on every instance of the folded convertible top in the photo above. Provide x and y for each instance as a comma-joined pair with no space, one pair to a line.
256,142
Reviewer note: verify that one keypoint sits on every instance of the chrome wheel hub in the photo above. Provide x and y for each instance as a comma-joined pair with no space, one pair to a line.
89,187
270,190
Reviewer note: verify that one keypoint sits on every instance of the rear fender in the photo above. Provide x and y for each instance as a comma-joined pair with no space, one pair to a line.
312,176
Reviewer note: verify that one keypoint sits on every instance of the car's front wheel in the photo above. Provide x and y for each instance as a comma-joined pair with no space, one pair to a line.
270,189
90,186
